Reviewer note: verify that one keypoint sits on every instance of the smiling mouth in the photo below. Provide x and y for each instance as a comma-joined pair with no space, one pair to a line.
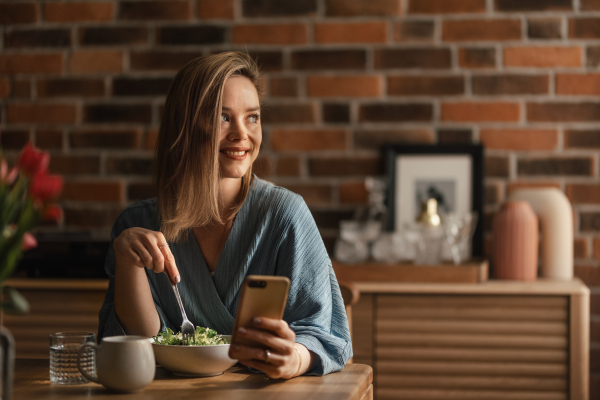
234,153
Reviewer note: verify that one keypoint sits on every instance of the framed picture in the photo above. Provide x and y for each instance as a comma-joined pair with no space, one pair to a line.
452,174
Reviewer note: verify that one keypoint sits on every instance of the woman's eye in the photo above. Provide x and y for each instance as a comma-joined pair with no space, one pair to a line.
224,118
253,118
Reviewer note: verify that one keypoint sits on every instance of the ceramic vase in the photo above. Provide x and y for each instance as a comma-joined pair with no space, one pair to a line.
515,249
555,214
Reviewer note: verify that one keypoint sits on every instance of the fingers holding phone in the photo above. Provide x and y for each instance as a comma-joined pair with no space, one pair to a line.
260,338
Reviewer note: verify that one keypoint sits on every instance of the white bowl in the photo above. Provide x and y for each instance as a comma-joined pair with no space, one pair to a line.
194,360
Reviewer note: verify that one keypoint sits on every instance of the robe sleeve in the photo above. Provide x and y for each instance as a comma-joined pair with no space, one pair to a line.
109,324
315,310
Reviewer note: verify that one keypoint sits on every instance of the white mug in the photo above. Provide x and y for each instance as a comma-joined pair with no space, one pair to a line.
123,363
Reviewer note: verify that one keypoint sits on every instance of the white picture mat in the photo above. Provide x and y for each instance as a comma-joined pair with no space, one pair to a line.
410,168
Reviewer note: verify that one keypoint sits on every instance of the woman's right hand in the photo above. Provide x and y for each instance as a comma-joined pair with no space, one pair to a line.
146,249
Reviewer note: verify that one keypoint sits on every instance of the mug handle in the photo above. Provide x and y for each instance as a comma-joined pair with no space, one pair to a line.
83,347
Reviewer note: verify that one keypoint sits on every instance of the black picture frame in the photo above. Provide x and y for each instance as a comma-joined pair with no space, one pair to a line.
474,152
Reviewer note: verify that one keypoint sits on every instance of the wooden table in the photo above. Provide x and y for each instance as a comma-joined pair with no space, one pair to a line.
353,383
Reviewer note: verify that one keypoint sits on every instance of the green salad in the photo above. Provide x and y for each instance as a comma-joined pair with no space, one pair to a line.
202,337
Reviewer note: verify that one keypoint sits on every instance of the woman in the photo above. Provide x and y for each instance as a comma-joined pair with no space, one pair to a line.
213,223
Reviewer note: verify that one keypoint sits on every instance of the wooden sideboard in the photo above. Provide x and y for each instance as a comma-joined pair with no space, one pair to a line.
485,341
56,305
492,340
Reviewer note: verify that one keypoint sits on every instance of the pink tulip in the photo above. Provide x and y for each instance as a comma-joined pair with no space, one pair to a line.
29,242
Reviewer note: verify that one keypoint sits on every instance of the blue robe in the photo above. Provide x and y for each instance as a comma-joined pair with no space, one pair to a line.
273,234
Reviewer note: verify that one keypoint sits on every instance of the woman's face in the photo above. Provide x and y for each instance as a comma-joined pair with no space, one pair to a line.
241,133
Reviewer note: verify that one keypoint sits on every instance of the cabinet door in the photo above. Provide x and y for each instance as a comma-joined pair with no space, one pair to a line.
471,347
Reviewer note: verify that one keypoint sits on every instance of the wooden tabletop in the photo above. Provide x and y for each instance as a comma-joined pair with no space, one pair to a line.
353,383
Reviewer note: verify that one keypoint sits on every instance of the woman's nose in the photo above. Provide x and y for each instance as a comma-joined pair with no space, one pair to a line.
237,131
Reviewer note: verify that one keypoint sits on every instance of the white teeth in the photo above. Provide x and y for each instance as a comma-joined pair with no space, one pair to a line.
235,153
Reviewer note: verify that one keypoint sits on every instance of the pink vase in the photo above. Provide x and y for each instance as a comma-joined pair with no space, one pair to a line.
515,250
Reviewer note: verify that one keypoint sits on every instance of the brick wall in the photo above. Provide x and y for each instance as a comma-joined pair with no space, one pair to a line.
86,81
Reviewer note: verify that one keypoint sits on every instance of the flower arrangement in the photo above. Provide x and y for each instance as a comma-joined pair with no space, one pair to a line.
27,197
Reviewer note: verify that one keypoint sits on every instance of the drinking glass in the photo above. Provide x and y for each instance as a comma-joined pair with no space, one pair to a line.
427,242
352,246
64,347
458,230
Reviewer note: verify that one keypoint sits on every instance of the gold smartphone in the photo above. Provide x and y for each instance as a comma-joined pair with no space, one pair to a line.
261,296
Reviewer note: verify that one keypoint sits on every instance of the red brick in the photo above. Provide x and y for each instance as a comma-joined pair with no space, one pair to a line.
346,86
288,113
172,10
510,84
288,166
584,28
538,56
477,57
4,87
446,6
31,63
580,248
75,165
313,194
262,166
362,8
308,140
481,30
407,31
519,139
161,60
588,5
96,61
76,12
50,139
358,32
596,248
580,193
533,5
416,85
21,88
150,139
18,13
455,136
395,112
555,166
375,139
544,28
353,192
14,139
93,191
578,84
70,87
215,9
284,87
345,166
270,34
480,112
89,218
114,139
41,113
417,58
562,111
582,139
270,8
512,186
335,113
590,275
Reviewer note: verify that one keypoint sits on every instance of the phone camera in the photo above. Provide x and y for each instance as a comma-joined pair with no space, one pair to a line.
257,284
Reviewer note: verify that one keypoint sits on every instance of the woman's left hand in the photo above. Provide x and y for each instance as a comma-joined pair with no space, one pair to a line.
280,361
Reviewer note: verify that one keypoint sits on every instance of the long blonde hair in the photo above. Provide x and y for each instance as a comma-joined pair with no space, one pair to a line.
187,167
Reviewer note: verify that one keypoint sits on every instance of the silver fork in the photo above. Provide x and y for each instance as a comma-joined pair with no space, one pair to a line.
187,328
